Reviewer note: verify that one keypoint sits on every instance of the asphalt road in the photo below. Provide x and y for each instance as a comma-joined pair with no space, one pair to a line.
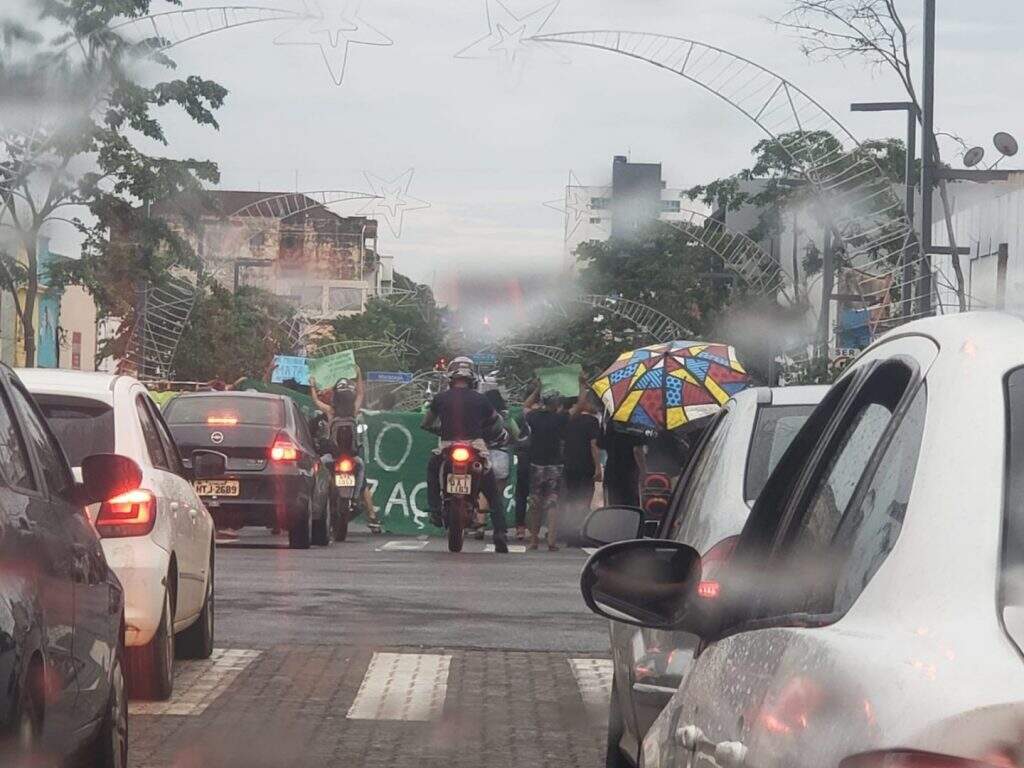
361,593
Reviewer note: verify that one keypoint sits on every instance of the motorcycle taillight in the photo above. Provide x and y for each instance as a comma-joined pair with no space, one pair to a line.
461,454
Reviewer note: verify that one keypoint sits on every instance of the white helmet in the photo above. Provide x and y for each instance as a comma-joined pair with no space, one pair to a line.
461,368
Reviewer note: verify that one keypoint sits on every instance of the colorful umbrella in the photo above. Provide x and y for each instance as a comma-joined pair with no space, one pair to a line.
666,386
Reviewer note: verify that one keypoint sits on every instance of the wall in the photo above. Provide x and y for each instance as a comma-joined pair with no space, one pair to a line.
77,317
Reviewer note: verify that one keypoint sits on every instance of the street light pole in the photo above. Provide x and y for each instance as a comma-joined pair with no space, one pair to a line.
927,156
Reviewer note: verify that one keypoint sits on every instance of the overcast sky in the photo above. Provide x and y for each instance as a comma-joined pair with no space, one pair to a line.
489,149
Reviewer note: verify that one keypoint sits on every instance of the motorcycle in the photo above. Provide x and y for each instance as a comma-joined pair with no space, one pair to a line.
344,496
655,497
462,470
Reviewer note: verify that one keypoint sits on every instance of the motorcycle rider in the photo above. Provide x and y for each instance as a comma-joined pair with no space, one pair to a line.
462,414
343,433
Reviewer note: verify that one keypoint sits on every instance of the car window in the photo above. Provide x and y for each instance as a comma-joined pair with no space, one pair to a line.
702,471
302,428
808,559
52,462
82,426
1011,587
14,461
155,449
166,440
226,410
774,429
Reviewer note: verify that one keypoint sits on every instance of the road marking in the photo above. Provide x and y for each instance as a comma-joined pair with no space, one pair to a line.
401,545
198,683
594,679
402,686
518,549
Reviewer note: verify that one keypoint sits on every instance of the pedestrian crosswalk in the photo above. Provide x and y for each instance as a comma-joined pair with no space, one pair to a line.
402,686
198,683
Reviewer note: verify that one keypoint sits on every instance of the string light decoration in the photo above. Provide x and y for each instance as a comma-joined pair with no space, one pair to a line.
391,200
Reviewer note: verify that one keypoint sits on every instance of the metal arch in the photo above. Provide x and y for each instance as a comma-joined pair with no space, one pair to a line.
660,326
293,203
554,354
414,393
738,252
165,310
869,218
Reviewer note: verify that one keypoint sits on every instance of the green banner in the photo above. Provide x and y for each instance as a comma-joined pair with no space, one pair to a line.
564,379
397,451
328,370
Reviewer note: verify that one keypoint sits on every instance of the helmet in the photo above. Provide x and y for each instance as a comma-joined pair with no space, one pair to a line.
343,385
461,368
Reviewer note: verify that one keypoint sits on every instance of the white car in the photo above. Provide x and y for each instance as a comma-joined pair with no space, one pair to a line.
870,615
158,539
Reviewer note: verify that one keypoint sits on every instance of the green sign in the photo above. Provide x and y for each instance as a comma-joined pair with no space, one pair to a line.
565,379
328,370
396,458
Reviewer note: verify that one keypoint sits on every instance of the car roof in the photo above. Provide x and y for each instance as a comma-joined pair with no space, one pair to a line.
56,381
996,333
233,393
809,394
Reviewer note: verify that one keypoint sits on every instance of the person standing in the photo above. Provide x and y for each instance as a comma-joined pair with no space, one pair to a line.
582,459
547,433
621,475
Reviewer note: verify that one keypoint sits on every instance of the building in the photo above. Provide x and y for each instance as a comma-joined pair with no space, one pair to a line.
288,244
636,195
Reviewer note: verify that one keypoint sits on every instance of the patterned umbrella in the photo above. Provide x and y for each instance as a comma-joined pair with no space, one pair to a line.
666,386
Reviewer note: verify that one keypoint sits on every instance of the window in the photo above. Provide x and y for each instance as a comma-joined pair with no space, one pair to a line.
701,473
14,459
1012,578
170,447
225,410
812,556
82,426
670,206
154,447
302,428
774,430
600,203
51,458
595,219
344,299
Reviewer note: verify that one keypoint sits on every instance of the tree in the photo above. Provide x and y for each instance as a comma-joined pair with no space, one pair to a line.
231,335
873,30
78,148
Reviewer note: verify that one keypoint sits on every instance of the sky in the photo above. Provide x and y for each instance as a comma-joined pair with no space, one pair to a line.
490,145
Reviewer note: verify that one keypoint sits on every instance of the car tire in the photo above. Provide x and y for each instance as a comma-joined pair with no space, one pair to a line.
323,529
344,512
196,642
616,728
150,667
21,738
110,749
300,535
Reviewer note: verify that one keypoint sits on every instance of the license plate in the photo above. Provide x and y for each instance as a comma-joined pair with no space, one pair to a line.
216,487
460,485
345,481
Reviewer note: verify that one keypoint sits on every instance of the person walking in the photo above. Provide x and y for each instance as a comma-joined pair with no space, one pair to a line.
582,459
547,433
501,459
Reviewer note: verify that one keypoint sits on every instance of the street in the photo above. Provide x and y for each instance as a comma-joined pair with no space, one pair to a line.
387,651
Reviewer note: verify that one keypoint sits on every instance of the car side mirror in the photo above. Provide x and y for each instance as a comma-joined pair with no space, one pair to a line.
106,475
208,465
645,582
610,524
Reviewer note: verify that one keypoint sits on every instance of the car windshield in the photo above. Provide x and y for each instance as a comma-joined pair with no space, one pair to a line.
774,430
226,411
83,427
1012,583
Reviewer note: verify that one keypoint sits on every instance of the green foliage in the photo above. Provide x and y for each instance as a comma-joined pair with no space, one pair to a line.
231,335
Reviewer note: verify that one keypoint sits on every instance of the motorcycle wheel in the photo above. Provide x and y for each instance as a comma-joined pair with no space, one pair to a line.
341,524
456,525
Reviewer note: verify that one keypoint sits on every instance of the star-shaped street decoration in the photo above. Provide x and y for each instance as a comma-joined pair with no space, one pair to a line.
333,32
575,206
392,199
398,347
510,36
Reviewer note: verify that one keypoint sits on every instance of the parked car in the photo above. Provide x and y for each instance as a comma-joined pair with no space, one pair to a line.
158,538
870,614
62,687
707,511
274,476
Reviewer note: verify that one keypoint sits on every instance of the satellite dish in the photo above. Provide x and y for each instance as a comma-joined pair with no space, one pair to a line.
1006,144
974,156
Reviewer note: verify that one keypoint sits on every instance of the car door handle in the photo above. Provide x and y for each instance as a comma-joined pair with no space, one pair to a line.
728,754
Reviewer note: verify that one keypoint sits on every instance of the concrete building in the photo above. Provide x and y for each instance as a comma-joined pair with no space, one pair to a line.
636,195
323,263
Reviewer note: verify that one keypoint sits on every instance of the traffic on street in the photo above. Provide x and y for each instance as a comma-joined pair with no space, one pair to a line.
681,427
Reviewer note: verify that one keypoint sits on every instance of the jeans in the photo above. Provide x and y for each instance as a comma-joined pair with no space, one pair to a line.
488,485
545,484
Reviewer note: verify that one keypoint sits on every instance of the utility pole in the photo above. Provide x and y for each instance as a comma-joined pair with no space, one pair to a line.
828,277
928,156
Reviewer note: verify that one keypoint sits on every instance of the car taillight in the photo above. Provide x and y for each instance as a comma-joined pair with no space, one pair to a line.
283,449
346,465
130,514
711,564
222,421
903,758
460,454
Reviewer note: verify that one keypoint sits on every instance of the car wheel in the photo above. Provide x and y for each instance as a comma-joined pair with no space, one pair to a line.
616,728
151,666
196,642
300,534
21,739
111,746
323,529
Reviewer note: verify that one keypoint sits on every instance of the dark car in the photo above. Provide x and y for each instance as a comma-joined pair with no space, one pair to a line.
274,475
62,690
